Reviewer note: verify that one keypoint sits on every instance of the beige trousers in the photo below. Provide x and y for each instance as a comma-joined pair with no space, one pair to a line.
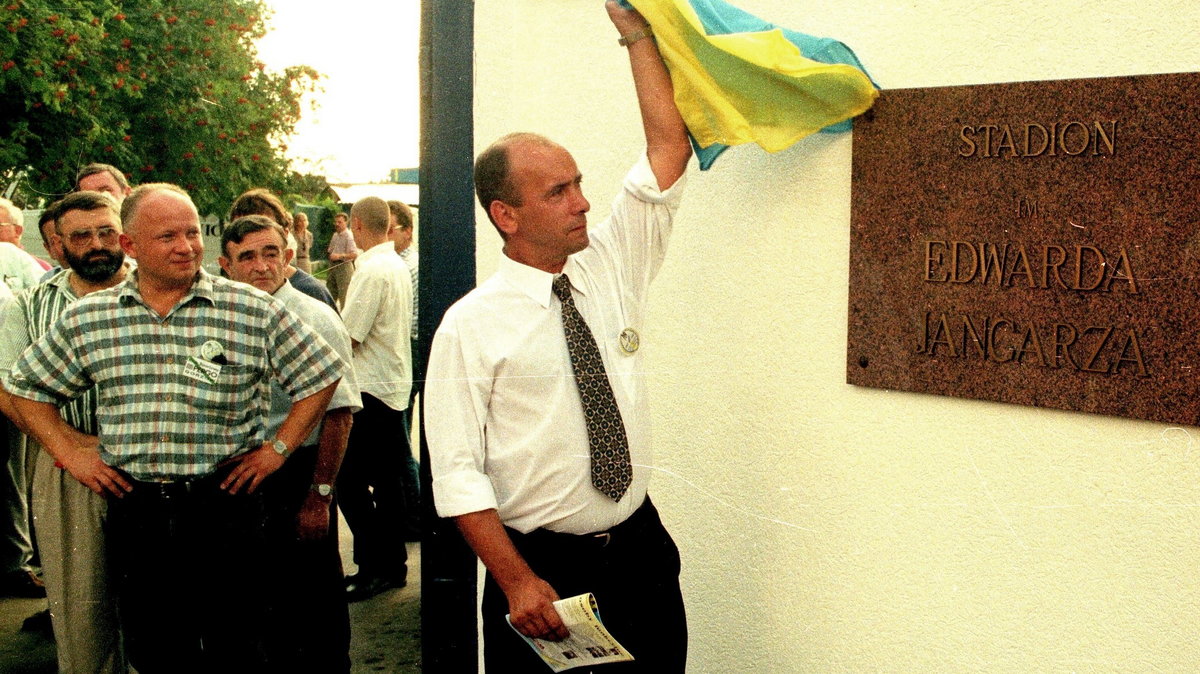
338,280
68,519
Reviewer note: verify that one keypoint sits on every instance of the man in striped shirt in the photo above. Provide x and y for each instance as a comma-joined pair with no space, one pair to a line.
68,514
182,364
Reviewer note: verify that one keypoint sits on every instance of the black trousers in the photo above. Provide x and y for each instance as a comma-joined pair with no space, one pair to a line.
370,489
308,623
634,574
190,567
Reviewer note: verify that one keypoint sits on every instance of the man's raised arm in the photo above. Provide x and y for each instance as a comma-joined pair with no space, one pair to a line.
667,144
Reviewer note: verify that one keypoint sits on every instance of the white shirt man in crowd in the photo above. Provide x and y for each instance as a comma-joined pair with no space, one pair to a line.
378,313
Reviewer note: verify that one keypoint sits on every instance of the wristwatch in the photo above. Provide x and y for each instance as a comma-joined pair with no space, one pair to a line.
281,447
325,490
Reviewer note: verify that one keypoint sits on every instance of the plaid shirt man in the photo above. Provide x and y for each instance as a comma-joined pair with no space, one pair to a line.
181,393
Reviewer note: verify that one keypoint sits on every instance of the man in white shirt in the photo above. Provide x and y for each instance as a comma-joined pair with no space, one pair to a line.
12,222
511,451
378,314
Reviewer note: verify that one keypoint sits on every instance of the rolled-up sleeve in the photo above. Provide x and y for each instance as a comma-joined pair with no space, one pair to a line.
457,394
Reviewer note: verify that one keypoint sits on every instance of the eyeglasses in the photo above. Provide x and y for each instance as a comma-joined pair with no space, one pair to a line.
80,237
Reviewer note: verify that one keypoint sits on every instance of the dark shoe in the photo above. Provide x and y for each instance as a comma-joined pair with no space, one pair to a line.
365,587
23,584
38,622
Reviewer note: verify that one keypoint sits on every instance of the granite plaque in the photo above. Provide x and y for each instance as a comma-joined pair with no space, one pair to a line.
1034,243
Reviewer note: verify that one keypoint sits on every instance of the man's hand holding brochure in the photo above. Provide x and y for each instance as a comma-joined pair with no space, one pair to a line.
588,644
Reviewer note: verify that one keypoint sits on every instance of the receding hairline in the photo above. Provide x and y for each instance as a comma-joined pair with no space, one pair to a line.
493,170
133,203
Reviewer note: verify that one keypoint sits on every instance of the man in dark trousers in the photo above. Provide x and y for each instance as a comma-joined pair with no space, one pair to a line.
537,415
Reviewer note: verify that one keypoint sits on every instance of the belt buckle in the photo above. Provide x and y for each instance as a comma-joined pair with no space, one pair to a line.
605,537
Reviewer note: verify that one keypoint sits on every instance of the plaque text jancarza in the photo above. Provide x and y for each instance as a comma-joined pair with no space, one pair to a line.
1032,139
1103,349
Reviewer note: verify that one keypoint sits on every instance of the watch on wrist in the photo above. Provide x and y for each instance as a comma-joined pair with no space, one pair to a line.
280,447
629,38
325,490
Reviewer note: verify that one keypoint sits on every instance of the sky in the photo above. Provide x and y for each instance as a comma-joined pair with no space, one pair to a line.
368,116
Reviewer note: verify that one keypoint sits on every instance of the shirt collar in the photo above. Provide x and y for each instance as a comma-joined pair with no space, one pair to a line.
533,282
284,292
62,282
201,288
377,249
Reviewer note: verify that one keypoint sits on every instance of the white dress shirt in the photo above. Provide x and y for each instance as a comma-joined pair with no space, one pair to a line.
378,315
504,420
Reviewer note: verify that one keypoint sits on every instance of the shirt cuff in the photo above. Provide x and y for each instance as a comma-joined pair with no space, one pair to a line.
463,492
643,184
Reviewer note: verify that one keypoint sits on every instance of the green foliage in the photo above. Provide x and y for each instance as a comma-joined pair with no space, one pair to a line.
167,90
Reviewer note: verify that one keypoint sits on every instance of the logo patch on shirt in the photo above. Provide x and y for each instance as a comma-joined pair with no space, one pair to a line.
211,349
630,341
201,370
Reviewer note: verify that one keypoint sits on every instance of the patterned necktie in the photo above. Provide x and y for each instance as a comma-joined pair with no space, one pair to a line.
611,469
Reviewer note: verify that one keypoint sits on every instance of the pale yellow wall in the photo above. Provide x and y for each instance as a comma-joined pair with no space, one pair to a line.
831,528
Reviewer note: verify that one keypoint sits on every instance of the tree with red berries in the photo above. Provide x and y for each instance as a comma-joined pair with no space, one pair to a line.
168,90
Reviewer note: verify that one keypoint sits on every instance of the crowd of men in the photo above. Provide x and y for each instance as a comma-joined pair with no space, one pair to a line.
187,432
194,433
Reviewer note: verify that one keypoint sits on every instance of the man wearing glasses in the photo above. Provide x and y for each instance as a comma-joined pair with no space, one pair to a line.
68,514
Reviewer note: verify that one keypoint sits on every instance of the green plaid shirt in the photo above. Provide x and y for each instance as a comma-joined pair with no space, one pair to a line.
179,394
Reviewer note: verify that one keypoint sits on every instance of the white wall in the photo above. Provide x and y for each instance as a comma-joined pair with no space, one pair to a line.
831,528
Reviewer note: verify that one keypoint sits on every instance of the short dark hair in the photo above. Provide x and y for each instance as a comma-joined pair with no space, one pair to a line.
372,212
50,215
401,212
246,225
260,201
97,167
81,201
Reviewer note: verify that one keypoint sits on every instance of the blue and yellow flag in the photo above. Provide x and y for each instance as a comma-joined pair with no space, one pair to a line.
739,79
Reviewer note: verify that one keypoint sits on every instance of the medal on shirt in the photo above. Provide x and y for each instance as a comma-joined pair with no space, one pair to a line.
630,341
211,349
